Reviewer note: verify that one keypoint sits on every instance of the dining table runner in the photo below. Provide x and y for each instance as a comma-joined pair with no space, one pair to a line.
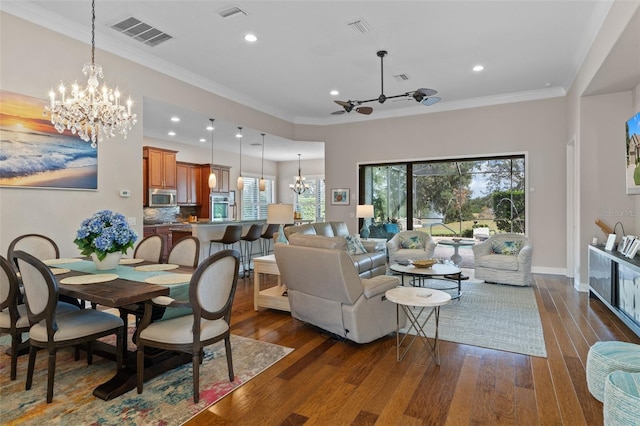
178,292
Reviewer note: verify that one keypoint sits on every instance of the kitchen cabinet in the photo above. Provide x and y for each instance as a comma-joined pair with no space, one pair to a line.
161,167
222,178
189,184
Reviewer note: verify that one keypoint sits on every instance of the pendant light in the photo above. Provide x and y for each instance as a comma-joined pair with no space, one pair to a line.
213,182
263,183
240,179
300,185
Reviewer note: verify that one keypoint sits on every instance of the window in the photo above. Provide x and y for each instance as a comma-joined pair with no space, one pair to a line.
254,201
448,196
311,202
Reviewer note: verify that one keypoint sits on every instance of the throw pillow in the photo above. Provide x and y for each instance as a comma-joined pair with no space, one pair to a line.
354,244
413,242
511,248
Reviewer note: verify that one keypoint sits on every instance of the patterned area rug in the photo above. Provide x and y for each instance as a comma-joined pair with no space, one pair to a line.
491,316
166,400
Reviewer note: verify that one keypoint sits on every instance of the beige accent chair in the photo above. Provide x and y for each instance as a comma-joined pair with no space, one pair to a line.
150,248
326,291
51,331
185,252
503,268
399,254
13,313
211,292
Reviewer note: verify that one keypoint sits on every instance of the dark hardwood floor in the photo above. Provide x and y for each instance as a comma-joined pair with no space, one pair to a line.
326,381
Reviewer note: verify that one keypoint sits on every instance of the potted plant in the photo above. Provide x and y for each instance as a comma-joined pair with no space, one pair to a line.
105,236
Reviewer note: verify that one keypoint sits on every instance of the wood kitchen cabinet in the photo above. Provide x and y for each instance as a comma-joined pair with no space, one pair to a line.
222,178
161,167
189,184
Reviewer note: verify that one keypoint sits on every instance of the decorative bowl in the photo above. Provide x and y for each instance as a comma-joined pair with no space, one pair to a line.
428,263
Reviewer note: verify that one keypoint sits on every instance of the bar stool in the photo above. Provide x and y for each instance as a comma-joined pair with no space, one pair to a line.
232,235
267,237
254,233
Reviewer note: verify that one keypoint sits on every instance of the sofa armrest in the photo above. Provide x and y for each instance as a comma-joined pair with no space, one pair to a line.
379,285
524,256
372,246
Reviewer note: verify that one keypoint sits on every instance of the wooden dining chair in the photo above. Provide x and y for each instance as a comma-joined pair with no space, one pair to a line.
185,252
13,313
150,248
40,246
211,291
50,330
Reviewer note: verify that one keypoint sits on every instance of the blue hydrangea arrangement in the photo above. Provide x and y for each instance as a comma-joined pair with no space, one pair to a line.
105,232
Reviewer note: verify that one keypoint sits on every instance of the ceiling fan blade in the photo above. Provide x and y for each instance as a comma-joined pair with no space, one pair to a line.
430,101
340,112
426,92
344,103
364,110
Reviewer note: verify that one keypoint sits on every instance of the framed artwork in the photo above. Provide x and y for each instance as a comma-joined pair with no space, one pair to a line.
340,196
632,169
35,155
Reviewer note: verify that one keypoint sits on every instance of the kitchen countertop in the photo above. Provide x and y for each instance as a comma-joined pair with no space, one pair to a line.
214,222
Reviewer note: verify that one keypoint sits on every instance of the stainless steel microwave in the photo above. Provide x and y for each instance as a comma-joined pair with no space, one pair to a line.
163,198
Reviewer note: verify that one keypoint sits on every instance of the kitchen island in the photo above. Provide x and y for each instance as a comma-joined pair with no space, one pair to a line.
207,231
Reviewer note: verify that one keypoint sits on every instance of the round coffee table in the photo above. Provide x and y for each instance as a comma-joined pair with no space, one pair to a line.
437,271
407,297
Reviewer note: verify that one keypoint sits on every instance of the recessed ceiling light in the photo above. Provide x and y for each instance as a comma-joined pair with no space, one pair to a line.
334,93
478,68
202,140
172,133
210,127
250,38
175,119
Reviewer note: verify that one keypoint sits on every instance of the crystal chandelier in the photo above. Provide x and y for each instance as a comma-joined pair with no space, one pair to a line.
300,185
93,113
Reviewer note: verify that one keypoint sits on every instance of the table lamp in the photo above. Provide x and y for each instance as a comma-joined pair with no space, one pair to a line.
280,214
364,211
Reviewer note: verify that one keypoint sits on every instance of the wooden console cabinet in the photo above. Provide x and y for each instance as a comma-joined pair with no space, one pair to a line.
615,280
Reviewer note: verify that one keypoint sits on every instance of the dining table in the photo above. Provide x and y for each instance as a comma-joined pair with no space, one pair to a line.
133,282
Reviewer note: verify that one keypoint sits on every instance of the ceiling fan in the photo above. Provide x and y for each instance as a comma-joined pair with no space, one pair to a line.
422,95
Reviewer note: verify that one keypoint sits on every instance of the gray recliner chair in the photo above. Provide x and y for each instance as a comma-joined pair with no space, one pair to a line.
325,290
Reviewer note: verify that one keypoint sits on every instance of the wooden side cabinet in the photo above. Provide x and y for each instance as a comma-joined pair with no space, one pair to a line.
615,280
161,167
189,184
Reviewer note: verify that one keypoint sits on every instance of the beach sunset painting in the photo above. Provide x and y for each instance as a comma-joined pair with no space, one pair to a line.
32,152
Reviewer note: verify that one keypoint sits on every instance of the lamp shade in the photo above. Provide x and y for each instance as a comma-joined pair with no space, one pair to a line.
281,214
364,211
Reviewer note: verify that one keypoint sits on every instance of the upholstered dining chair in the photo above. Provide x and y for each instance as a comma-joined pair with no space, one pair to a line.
51,331
42,248
13,313
211,292
185,252
150,248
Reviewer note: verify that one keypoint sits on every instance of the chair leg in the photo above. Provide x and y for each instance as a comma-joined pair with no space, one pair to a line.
196,376
227,349
140,368
51,374
32,362
89,353
16,339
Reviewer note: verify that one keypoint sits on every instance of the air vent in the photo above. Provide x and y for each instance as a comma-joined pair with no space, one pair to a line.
231,12
141,31
359,26
401,77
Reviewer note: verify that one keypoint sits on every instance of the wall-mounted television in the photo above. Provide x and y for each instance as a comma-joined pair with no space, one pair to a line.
632,132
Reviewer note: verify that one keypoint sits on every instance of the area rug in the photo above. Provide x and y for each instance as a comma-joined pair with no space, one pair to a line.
491,316
166,400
